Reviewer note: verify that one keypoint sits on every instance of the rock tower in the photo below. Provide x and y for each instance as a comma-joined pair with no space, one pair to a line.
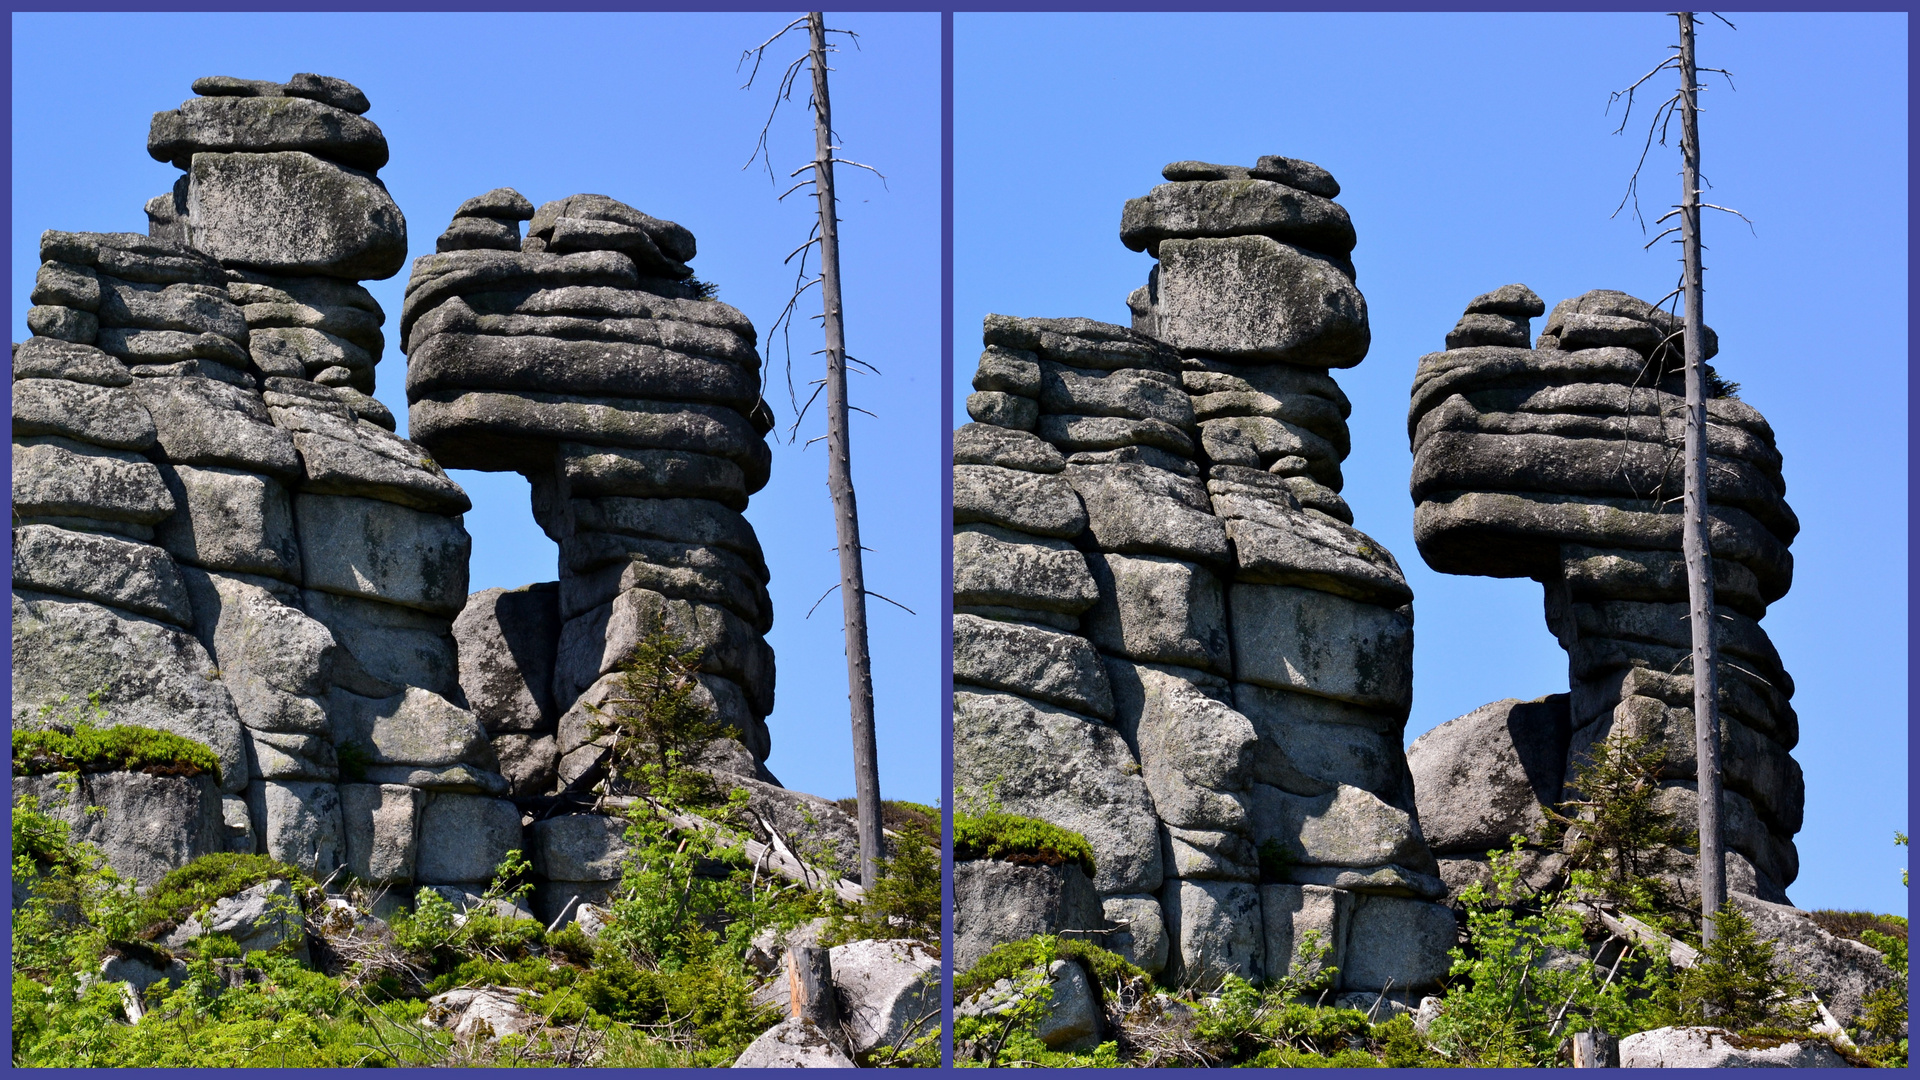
217,532
1168,636
588,359
1562,463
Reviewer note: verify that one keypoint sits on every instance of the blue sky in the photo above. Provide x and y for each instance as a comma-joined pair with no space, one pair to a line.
648,109
1474,151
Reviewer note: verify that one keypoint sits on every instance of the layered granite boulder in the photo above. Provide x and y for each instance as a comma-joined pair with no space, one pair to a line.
1562,463
218,533
1168,636
586,357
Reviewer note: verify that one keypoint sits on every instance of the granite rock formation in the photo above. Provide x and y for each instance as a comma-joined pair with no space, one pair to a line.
1561,463
1168,636
218,533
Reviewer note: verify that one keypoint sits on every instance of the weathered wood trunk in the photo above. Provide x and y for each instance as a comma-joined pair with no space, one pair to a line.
846,517
1699,559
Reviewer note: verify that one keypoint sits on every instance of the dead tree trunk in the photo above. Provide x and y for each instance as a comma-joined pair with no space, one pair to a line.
846,517
1699,557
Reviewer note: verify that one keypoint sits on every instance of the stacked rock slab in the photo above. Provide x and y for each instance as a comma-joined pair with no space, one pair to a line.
1167,635
283,569
588,359
1562,463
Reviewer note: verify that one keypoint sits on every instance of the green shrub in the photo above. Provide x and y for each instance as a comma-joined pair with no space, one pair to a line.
1525,979
905,901
1737,985
120,748
195,886
996,834
1013,958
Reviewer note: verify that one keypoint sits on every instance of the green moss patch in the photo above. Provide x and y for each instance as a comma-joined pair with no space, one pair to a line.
1015,958
120,748
209,878
1000,835
898,814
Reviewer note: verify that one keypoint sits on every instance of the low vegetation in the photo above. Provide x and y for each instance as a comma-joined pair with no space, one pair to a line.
996,834
1535,965
86,748
667,980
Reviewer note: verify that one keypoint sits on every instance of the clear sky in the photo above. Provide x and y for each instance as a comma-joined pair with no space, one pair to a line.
1474,151
647,109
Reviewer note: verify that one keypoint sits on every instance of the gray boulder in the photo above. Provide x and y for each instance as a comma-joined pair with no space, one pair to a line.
1061,669
382,827
506,642
528,762
1215,930
985,444
1136,931
993,566
263,124
1063,768
145,825
1290,638
1071,1020
995,901
1306,929
109,416
889,992
1028,502
1483,777
1512,300
1712,1048
147,673
203,421
140,578
388,646
54,476
1141,510
480,1012
259,917
1252,298
1003,410
363,547
463,838
1393,937
1842,971
793,1043
579,847
300,823
1155,609
233,520
1236,207
1347,826
1195,752
50,358
292,213
415,727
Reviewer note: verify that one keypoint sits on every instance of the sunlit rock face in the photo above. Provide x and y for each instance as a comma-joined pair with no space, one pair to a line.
218,533
1562,463
1168,635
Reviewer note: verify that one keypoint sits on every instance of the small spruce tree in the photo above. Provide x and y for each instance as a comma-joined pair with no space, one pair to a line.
1617,827
1738,985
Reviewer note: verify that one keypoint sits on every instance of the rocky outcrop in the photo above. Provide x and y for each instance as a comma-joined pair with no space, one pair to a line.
218,533
1561,462
586,357
282,570
1168,636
